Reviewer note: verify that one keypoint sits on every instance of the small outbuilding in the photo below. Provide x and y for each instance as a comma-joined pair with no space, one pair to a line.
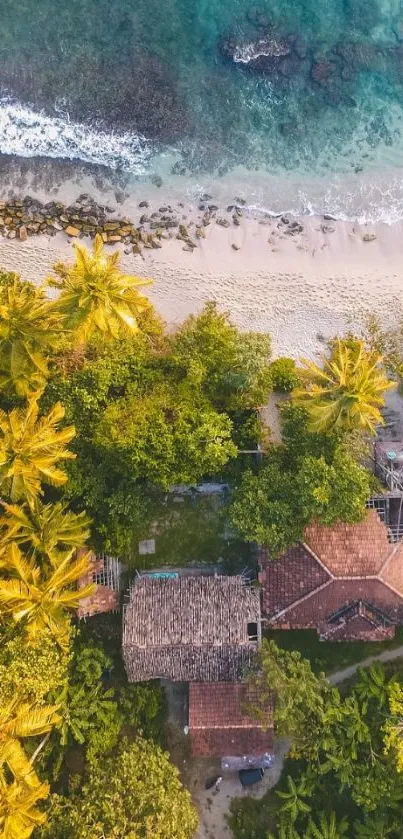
105,573
221,725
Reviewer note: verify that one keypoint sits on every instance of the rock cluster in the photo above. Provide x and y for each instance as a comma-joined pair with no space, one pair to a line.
292,228
22,218
26,217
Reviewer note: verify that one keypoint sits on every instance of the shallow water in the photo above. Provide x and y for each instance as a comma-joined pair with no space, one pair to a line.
149,88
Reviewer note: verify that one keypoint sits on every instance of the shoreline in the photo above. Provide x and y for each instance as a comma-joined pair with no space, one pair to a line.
370,197
302,287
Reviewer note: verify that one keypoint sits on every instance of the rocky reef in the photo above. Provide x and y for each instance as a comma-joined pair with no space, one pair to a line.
256,45
267,48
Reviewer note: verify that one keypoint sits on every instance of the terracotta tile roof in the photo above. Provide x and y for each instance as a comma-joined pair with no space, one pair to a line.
335,567
219,724
392,571
321,604
350,550
289,578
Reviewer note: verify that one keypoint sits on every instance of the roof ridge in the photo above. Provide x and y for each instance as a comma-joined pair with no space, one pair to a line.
318,559
388,559
392,588
302,599
358,577
209,726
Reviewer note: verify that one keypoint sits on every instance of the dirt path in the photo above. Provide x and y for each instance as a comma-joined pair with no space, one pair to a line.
348,672
214,806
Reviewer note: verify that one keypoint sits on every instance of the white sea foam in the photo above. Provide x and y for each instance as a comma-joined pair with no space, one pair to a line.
368,197
245,53
29,133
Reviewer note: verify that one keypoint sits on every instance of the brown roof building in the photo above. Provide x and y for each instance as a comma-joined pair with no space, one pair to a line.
200,628
220,726
105,573
346,581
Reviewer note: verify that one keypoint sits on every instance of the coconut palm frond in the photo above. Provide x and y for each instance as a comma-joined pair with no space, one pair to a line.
348,391
95,296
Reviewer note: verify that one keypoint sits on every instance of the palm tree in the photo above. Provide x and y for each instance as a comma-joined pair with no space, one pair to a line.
38,596
347,392
95,296
22,719
18,813
43,529
29,328
327,828
30,447
376,826
294,804
372,683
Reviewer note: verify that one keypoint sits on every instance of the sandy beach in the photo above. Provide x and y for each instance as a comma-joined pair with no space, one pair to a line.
301,288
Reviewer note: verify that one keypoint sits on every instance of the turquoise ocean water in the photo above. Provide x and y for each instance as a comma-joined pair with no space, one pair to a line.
174,88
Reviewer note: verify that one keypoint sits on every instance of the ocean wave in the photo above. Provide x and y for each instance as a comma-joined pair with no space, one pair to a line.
268,47
29,133
366,198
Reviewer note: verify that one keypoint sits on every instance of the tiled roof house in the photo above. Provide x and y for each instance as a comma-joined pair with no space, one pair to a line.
199,628
346,581
203,630
220,726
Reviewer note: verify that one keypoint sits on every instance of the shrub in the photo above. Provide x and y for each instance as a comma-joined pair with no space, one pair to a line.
284,376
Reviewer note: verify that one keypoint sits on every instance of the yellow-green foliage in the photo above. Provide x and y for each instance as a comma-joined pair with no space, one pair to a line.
394,727
31,669
31,447
348,391
29,330
137,793
95,295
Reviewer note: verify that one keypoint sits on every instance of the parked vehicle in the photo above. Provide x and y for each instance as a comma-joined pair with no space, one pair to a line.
248,777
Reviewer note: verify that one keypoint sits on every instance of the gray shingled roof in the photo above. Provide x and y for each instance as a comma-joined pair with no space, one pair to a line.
189,629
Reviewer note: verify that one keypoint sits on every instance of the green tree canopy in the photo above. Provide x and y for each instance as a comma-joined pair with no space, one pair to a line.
342,761
165,437
274,505
136,794
300,698
231,367
96,703
154,410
